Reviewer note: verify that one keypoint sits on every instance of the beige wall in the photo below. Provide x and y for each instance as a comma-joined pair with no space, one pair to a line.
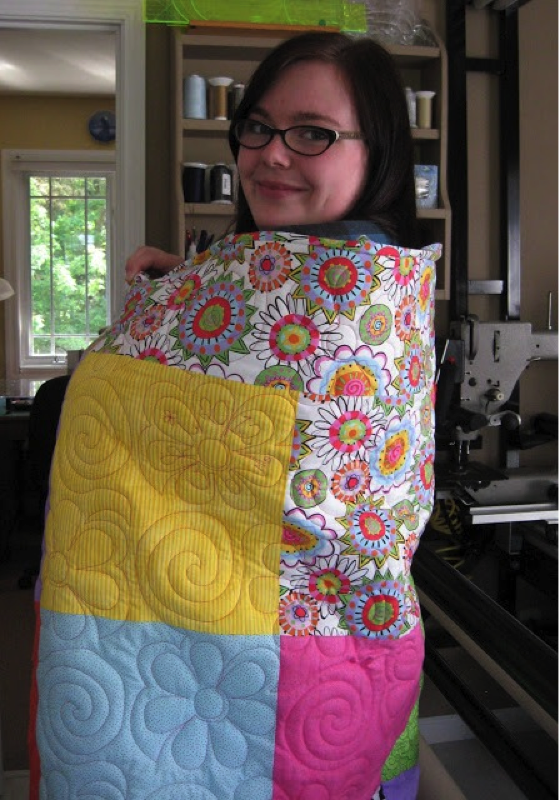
538,201
48,123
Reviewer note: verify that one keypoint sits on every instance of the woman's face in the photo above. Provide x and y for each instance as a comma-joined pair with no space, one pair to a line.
284,188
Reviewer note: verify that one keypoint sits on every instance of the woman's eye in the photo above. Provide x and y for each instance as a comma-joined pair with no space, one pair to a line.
257,128
312,134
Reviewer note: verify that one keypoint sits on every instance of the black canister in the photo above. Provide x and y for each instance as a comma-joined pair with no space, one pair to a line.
221,184
236,92
193,178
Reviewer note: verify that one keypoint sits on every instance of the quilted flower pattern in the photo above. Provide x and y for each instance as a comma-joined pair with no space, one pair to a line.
412,369
217,447
270,264
87,543
148,323
286,334
390,459
135,300
400,271
298,614
345,430
375,326
230,249
373,532
424,483
351,482
309,488
151,347
377,610
350,372
335,280
329,580
305,538
425,297
215,320
182,294
200,700
405,318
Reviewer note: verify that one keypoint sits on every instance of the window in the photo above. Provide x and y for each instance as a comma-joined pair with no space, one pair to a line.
68,302
59,241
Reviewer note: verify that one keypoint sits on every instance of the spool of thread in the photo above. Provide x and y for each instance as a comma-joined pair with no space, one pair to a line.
234,97
193,181
424,102
218,97
221,184
237,92
194,97
412,108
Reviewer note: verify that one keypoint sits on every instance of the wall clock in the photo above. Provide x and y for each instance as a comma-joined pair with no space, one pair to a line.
102,126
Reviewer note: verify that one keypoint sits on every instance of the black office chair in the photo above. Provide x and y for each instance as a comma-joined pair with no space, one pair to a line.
43,425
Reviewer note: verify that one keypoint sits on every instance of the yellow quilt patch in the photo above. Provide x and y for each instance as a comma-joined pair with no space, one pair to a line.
167,495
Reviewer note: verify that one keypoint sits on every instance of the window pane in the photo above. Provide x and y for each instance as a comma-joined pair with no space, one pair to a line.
39,185
96,187
97,263
97,223
67,187
40,266
42,346
68,265
65,343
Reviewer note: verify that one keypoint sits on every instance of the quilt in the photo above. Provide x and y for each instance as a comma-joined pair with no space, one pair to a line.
243,470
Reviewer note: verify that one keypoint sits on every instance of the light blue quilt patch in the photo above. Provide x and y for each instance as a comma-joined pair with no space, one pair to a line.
126,707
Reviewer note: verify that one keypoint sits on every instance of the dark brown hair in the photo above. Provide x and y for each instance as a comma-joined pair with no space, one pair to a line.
388,196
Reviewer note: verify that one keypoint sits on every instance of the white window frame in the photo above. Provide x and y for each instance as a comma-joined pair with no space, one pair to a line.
125,18
16,166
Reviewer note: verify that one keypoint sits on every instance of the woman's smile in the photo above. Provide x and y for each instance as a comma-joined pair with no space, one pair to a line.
277,189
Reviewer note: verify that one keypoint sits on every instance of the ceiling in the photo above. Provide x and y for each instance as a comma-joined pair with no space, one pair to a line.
65,62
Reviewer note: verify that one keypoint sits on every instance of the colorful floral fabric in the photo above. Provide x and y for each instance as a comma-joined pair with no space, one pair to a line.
226,587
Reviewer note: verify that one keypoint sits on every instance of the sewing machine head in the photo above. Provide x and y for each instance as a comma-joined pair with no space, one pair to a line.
479,366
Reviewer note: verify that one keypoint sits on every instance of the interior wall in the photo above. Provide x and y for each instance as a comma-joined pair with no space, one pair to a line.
482,41
48,123
538,203
158,136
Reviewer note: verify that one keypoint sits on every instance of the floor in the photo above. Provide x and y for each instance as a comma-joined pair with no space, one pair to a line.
17,619
471,766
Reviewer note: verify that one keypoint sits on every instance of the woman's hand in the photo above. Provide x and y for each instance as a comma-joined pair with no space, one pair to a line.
150,259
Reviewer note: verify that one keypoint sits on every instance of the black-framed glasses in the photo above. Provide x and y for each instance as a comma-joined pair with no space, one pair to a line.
306,140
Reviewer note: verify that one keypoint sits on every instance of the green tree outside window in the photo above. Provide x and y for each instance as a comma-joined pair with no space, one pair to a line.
68,254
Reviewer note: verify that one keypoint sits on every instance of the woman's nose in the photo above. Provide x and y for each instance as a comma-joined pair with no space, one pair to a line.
276,152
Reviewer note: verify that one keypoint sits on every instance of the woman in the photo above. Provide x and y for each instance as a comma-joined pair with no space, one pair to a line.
372,84
226,607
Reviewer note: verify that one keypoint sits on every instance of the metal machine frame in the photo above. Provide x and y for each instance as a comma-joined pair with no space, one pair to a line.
507,69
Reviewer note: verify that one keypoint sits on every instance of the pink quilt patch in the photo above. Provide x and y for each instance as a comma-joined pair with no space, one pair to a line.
342,701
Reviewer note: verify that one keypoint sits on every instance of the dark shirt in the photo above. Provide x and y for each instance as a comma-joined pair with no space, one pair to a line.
343,229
